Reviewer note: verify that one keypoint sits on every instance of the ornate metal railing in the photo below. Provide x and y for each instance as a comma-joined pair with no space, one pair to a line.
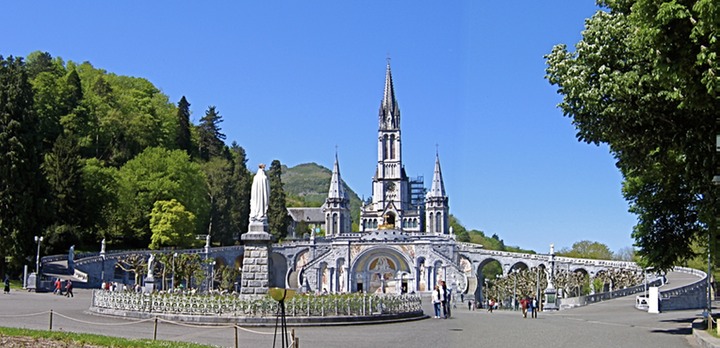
233,306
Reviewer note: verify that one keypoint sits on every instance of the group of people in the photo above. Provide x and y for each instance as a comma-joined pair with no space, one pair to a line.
529,305
441,300
59,288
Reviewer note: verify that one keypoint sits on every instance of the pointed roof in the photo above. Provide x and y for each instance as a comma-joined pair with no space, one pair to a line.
438,186
388,107
336,187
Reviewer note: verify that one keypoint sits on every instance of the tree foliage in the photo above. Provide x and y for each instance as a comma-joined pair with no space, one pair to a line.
278,218
160,174
171,225
22,196
586,249
644,81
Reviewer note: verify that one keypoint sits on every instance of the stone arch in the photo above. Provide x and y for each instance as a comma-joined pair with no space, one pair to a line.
376,270
278,271
238,262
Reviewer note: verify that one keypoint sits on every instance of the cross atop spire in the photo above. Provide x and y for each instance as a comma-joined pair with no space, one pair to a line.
438,186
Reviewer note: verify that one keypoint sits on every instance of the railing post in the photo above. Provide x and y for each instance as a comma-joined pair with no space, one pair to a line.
155,329
51,315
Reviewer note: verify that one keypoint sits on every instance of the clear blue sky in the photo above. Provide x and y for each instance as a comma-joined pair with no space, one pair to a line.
293,79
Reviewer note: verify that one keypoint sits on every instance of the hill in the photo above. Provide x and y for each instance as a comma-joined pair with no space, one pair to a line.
306,185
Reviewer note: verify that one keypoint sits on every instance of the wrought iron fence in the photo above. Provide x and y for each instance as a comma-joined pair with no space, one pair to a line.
234,306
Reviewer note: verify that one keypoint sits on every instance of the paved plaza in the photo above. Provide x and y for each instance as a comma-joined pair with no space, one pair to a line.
614,323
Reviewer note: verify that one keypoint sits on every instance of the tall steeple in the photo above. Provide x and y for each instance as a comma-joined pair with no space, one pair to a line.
336,187
337,205
389,115
438,186
436,204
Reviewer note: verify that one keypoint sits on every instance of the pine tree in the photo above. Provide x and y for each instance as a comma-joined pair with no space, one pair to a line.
278,218
242,183
183,139
209,136
63,171
21,181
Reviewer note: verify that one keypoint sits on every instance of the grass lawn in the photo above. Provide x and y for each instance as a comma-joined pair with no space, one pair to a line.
15,337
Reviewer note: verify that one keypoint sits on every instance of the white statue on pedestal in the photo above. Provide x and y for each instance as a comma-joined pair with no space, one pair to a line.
259,196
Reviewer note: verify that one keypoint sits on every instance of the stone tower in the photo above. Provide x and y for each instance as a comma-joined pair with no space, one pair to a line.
390,195
436,203
337,205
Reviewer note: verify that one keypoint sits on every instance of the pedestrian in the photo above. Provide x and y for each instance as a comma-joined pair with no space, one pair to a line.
490,305
436,300
535,307
58,287
7,285
470,304
446,299
68,289
524,306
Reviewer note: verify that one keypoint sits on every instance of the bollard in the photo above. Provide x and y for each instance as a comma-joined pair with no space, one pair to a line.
236,337
155,330
51,313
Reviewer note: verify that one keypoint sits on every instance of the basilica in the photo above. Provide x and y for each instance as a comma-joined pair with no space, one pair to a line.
404,244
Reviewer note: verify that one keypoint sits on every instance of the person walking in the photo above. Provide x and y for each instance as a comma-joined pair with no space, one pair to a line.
58,287
445,299
436,301
534,307
68,289
7,285
524,306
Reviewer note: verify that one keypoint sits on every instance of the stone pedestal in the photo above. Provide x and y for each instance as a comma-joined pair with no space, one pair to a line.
149,285
550,299
255,272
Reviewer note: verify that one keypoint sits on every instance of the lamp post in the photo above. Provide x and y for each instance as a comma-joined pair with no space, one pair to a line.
173,270
38,240
514,300
212,275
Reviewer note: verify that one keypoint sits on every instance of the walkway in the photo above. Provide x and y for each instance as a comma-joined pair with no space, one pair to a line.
613,323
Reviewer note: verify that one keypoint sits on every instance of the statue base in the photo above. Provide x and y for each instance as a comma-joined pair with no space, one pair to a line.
257,248
149,285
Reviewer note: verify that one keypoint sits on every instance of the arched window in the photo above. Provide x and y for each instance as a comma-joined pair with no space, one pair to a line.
392,146
385,147
438,223
430,223
335,229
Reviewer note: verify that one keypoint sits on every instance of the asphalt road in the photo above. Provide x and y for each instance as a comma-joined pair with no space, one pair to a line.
614,323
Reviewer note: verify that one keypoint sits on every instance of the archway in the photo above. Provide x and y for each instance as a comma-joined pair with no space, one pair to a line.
379,270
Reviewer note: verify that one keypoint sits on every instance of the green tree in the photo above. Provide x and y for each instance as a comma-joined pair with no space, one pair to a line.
63,171
171,225
242,183
154,175
218,174
100,188
586,249
183,139
278,218
644,80
210,139
22,212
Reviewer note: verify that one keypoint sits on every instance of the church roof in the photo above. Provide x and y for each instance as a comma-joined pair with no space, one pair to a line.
309,215
438,186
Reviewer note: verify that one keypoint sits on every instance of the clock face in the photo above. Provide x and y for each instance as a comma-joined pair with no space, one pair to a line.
389,186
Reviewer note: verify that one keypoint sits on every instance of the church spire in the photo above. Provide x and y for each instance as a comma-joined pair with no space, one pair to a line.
389,115
438,186
336,187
